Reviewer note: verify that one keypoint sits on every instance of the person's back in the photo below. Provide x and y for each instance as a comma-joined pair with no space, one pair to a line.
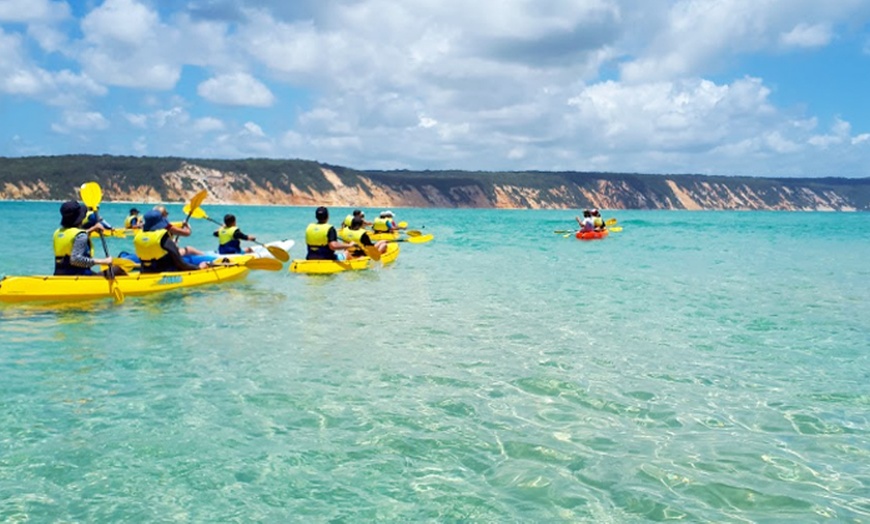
322,239
230,237
155,248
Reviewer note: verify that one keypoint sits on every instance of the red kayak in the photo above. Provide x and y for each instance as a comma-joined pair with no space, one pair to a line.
591,235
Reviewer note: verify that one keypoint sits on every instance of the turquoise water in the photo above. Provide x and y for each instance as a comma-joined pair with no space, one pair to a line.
697,366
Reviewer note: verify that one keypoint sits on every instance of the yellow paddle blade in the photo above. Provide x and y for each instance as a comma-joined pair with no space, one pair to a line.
267,264
196,201
278,253
92,194
402,224
196,213
413,233
610,222
615,229
422,239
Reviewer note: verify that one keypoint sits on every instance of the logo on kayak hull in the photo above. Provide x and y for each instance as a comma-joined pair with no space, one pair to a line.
166,280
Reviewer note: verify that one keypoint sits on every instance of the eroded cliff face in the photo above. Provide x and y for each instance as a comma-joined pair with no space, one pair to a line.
370,190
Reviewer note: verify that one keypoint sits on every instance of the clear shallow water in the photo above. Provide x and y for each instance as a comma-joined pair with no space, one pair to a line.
696,366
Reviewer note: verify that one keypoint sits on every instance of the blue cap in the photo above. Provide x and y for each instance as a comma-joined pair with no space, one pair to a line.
153,221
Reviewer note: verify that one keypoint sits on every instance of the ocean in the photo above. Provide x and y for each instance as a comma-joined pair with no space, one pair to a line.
696,366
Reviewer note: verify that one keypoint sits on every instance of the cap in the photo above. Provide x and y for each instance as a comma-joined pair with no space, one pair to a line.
153,221
71,213
386,213
321,213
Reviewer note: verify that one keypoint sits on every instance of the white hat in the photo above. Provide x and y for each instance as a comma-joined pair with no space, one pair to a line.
386,213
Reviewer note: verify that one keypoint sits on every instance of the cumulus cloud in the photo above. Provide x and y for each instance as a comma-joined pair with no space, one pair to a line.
33,11
239,89
80,121
804,35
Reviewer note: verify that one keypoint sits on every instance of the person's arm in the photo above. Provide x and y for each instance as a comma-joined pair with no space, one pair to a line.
172,248
179,231
238,235
81,252
216,234
333,243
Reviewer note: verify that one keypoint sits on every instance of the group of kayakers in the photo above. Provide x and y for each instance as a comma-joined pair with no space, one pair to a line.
591,221
156,246
326,243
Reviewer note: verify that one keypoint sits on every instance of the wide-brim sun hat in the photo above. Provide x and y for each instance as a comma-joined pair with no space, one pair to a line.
71,213
154,221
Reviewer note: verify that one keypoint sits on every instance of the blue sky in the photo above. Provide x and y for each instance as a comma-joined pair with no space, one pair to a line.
720,87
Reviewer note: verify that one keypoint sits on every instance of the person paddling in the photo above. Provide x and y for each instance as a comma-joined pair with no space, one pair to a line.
133,220
357,235
322,239
156,249
597,221
230,237
587,224
385,223
356,213
73,251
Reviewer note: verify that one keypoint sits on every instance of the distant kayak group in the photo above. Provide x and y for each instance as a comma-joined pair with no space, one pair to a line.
161,264
592,226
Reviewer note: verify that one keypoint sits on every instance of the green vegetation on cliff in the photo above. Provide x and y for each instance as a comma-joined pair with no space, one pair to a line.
58,177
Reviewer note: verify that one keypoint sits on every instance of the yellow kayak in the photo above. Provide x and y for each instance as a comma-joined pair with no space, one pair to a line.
384,236
326,267
39,288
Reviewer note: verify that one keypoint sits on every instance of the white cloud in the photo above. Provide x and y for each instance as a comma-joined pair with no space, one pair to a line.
33,11
207,125
239,89
804,35
80,121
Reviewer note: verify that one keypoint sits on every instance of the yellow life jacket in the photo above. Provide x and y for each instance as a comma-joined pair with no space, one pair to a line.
128,222
317,235
598,222
342,234
347,220
225,234
353,235
64,238
381,225
148,248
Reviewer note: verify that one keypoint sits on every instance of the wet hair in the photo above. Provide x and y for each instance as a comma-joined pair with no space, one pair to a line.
356,223
587,213
229,220
134,211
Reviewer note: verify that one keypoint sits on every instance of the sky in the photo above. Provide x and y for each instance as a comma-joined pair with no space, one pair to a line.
718,87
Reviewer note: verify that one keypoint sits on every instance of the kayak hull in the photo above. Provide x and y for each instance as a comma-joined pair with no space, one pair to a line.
50,288
591,235
384,236
328,267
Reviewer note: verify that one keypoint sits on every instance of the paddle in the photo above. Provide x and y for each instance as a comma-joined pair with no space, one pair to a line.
275,251
615,229
195,202
610,222
370,251
92,194
266,264
414,233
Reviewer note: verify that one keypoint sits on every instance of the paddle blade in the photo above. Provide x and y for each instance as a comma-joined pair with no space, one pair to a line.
278,253
371,252
92,195
266,264
610,222
196,213
402,224
413,233
421,239
615,229
196,201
